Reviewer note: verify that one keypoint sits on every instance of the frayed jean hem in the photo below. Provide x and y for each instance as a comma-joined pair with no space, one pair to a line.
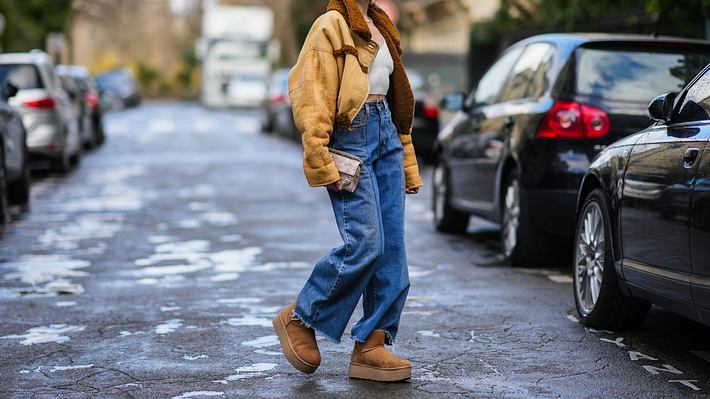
315,328
388,338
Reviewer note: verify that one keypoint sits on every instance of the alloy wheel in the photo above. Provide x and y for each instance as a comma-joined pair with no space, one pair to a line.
511,217
589,258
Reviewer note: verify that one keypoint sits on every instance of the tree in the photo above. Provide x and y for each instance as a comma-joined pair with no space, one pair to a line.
29,21
666,17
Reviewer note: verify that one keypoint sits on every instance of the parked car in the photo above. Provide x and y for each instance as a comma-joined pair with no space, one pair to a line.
247,90
520,144
81,87
47,112
14,158
118,89
279,116
643,224
425,125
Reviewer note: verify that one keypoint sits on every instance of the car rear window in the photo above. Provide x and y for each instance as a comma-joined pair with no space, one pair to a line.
21,75
635,75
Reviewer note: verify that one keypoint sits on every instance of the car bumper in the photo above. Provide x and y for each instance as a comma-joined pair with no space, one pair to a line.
44,140
553,211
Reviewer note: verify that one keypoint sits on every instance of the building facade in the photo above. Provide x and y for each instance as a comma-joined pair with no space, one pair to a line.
442,26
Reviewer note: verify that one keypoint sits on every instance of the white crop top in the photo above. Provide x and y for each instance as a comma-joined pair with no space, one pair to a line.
380,71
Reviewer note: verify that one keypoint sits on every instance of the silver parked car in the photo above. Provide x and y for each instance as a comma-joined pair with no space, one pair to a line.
14,158
48,114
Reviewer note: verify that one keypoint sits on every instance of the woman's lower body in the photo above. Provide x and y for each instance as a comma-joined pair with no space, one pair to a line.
371,264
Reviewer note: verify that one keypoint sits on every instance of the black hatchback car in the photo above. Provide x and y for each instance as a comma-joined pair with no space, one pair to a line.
643,230
520,144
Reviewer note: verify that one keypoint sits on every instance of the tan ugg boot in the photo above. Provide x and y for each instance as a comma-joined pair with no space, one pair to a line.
371,361
298,342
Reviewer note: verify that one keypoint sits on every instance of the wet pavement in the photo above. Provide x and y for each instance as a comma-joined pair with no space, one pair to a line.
155,268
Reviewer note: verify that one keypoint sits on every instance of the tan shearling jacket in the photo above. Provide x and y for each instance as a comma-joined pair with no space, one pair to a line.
329,85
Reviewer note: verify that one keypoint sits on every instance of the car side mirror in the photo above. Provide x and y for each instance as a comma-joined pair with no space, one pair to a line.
453,102
661,108
9,90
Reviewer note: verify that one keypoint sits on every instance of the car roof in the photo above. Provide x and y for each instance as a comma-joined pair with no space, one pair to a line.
77,71
32,57
578,39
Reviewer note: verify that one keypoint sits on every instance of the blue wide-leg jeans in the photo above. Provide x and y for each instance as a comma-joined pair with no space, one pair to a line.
372,262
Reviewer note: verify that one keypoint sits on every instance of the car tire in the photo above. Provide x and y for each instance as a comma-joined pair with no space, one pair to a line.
19,191
446,218
75,159
592,261
92,142
4,203
99,130
62,164
522,242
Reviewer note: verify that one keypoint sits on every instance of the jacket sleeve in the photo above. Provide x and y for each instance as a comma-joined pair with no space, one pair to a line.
411,169
313,88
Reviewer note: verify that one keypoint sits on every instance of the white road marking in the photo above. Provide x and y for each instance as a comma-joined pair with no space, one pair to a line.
239,300
687,383
667,368
262,342
168,326
560,278
73,367
249,321
635,355
46,334
255,370
188,357
489,366
197,394
47,274
616,342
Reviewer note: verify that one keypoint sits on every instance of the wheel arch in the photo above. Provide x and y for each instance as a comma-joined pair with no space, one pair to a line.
504,171
590,182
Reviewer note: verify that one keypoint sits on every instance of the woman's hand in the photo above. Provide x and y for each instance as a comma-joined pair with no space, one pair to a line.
412,190
337,186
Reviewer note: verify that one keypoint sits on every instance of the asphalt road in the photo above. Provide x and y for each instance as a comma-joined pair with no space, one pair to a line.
154,269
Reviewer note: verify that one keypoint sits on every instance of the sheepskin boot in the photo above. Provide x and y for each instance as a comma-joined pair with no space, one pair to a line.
372,361
298,342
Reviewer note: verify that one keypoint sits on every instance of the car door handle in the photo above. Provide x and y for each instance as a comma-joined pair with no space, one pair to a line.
691,155
509,123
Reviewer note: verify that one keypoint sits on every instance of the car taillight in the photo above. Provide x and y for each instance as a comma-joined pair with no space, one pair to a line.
573,120
278,100
430,111
92,99
42,103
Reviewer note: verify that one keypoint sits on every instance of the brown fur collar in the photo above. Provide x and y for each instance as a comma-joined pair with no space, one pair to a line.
400,96
356,22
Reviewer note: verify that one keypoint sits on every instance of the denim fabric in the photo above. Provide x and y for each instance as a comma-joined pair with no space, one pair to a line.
372,262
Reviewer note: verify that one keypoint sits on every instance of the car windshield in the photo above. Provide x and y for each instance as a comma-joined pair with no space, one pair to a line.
23,76
238,51
112,80
635,75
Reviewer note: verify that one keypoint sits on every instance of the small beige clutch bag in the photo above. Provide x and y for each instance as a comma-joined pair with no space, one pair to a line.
349,167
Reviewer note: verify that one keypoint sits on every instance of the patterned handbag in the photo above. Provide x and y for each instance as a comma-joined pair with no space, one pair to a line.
349,167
